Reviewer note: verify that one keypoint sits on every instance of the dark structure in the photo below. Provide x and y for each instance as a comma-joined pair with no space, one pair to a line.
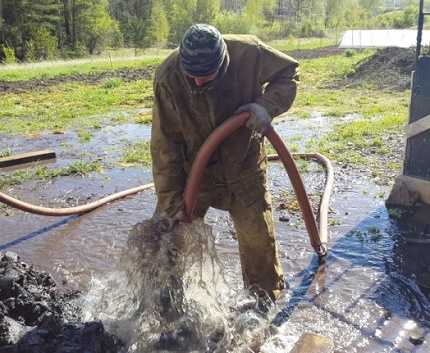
414,184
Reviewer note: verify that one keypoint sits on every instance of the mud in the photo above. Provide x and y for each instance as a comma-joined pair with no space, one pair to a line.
388,68
37,317
125,75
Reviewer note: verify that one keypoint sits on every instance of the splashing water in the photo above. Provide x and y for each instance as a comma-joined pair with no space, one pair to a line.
170,295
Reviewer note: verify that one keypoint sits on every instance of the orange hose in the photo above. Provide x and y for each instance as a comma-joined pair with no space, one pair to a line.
60,212
225,130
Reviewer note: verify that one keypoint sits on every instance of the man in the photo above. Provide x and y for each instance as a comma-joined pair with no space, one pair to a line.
200,85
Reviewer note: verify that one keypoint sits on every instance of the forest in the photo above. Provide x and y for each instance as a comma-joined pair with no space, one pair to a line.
34,30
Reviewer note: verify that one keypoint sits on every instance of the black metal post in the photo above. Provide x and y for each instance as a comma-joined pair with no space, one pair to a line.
420,28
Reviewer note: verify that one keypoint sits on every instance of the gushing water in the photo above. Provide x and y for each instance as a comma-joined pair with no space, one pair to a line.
170,295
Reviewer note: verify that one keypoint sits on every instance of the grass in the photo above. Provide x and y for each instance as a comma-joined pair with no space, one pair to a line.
355,142
143,118
51,69
78,168
358,142
292,44
70,105
5,153
137,154
84,135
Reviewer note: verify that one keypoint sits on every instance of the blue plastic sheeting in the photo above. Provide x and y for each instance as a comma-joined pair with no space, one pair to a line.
383,38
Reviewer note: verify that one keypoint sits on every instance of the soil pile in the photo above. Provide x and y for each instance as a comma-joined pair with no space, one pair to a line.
388,68
36,317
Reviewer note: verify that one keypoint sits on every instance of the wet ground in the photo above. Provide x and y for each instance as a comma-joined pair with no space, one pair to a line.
366,296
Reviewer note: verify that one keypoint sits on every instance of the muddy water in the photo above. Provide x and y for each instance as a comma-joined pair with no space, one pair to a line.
364,296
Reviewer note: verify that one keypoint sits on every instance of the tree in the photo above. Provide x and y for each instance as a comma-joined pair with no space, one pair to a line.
181,19
206,11
93,27
159,26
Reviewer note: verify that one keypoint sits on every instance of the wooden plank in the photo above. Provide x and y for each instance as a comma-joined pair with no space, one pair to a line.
28,157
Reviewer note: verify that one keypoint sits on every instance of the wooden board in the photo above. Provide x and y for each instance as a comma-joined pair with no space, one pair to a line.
26,158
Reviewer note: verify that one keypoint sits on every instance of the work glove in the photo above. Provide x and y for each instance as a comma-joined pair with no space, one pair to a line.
259,119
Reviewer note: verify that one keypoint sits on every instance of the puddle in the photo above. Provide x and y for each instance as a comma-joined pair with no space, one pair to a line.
364,297
106,143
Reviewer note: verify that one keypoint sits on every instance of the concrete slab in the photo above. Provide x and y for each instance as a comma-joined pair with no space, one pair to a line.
312,343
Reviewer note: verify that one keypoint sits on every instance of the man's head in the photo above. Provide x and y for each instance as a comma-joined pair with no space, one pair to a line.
202,53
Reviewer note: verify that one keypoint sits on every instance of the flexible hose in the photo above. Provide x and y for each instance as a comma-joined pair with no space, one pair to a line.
60,212
318,237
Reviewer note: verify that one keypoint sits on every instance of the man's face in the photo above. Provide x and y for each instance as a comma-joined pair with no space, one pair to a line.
202,80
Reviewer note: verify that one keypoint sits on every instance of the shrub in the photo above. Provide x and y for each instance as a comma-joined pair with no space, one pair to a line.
8,54
41,46
349,53
231,22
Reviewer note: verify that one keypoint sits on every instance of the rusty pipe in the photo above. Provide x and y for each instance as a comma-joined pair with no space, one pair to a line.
225,130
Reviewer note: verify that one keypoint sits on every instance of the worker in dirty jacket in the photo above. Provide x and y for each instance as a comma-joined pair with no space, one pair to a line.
205,81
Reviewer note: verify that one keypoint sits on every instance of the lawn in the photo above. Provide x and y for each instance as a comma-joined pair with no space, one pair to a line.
50,69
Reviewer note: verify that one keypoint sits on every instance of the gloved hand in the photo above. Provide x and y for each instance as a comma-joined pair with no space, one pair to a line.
259,120
166,224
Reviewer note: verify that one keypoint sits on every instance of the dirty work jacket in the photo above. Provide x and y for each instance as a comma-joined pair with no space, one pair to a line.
184,115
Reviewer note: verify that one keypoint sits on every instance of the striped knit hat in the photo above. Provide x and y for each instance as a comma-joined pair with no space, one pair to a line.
202,50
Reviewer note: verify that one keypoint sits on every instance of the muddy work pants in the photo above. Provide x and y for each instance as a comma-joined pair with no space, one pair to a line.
254,226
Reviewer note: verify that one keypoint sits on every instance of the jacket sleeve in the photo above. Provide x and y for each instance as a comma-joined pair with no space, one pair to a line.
166,151
279,73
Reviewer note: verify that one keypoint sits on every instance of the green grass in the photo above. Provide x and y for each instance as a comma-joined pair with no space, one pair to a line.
46,70
5,153
292,44
383,112
143,118
78,168
71,105
84,135
355,142
137,154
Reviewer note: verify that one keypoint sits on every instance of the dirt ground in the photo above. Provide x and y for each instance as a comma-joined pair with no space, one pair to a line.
315,53
125,75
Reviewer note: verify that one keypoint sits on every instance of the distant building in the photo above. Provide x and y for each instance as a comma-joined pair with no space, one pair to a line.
382,38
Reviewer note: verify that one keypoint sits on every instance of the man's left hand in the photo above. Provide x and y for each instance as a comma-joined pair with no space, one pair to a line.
259,119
